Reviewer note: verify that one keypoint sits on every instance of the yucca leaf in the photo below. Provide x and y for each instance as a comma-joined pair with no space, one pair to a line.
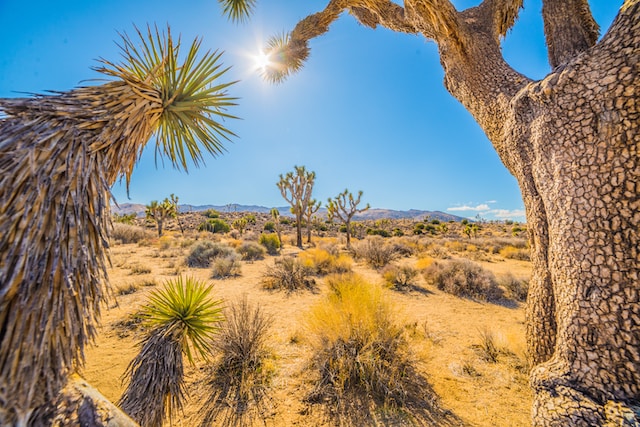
285,57
190,85
185,307
237,10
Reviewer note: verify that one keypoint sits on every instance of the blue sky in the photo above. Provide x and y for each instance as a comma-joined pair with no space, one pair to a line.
367,112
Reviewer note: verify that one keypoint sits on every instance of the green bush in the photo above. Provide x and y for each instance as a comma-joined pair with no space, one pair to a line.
270,226
124,218
378,232
202,253
464,279
211,213
215,225
251,251
270,242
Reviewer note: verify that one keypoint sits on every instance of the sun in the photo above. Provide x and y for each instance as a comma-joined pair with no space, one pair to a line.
262,61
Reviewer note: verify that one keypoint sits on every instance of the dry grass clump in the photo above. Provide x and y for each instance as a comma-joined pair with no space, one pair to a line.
127,233
464,279
323,262
511,252
202,253
362,356
224,267
139,269
288,274
237,389
127,289
400,277
375,251
251,251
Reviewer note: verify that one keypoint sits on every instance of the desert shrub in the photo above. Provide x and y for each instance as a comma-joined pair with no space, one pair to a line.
251,251
321,262
424,262
269,226
227,266
270,242
241,377
124,218
126,233
378,232
464,279
139,269
202,253
399,276
288,274
211,213
511,252
397,232
374,251
516,288
127,289
214,225
358,349
401,248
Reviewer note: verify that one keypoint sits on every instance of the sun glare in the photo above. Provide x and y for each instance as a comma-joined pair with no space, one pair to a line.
262,61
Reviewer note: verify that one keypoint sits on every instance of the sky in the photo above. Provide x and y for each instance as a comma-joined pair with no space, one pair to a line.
367,112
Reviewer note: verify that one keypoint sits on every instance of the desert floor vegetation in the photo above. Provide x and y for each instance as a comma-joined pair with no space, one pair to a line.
446,337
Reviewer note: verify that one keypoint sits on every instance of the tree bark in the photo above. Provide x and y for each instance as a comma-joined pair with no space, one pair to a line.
572,141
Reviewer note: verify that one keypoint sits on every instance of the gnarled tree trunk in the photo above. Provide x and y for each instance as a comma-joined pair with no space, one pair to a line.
571,140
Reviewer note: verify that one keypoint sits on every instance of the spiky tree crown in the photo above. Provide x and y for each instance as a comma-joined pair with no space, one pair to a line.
184,102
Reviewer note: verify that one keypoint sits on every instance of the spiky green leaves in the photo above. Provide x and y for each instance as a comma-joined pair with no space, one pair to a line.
286,56
192,97
185,309
237,10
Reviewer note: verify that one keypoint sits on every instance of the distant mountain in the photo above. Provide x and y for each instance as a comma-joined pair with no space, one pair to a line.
371,214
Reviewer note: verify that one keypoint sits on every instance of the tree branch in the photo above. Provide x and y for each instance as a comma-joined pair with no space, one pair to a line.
569,28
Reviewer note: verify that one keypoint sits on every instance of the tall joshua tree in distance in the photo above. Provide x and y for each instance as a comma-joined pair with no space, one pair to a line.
344,206
296,188
572,141
59,155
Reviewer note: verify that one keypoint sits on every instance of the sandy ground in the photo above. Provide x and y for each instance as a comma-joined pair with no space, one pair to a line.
445,332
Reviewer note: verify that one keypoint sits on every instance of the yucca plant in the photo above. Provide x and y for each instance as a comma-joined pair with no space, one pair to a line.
59,155
182,319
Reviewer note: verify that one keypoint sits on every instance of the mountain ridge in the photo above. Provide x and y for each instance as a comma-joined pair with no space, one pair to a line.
370,214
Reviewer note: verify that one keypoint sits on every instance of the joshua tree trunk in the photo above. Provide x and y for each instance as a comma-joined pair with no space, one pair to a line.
572,141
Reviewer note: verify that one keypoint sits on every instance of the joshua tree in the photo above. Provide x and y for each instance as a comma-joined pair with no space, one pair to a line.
314,206
571,140
160,212
174,202
344,207
182,317
240,224
275,214
59,155
296,189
